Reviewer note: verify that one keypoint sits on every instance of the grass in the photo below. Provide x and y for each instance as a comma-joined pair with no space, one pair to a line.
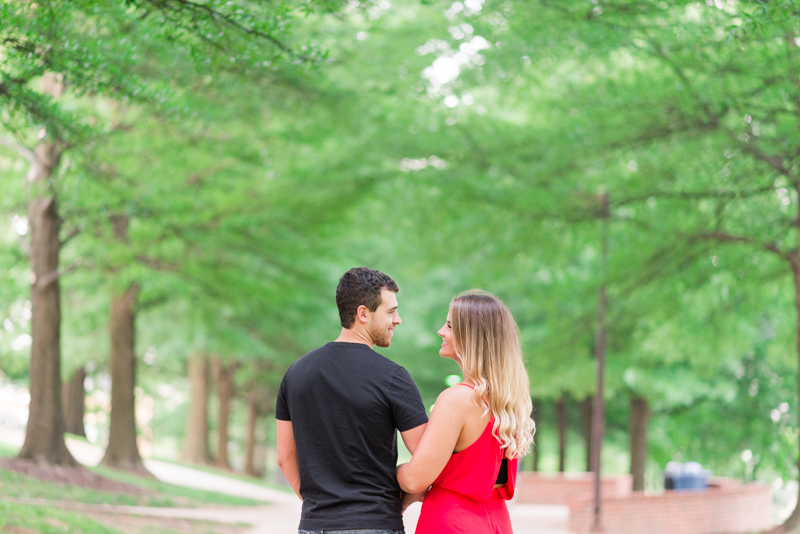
158,493
47,520
7,451
35,519
174,495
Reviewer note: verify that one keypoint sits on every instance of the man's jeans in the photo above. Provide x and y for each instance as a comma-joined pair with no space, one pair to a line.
352,531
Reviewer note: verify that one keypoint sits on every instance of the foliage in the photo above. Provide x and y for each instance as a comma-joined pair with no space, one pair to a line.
451,145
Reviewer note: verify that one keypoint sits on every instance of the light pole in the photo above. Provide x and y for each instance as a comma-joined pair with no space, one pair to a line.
598,412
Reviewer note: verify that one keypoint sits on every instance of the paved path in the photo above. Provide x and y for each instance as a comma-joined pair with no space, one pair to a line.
280,516
179,475
283,518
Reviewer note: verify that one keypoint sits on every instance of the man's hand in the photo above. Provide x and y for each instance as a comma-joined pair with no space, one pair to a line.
410,498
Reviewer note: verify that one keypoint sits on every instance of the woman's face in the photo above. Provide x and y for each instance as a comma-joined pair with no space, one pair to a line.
448,350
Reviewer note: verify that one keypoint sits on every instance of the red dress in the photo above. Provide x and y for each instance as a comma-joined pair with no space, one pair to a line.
463,499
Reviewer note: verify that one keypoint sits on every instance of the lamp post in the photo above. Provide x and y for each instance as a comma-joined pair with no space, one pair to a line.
598,412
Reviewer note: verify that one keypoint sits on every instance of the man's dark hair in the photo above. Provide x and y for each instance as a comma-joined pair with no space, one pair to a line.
360,286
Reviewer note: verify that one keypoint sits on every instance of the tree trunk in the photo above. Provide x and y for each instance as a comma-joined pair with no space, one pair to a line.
223,374
75,403
250,448
122,451
44,438
640,414
586,429
561,418
792,523
196,445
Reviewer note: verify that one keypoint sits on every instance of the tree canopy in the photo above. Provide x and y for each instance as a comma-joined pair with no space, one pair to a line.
254,152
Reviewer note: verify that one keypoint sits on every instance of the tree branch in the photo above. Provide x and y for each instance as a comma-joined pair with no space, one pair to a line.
775,162
21,149
49,278
151,303
158,265
695,195
730,238
75,231
214,15
680,410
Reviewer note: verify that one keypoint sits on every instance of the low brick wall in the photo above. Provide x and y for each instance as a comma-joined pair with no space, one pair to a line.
538,488
725,508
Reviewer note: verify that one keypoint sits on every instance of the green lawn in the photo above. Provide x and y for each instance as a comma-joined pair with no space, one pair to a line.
158,493
47,520
7,451
21,486
169,495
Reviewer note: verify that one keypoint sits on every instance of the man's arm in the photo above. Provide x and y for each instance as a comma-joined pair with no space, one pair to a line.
411,437
437,445
287,455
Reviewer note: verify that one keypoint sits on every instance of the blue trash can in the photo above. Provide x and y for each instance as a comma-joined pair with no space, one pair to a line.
687,477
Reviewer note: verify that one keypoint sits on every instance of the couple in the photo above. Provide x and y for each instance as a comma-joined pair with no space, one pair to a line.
339,407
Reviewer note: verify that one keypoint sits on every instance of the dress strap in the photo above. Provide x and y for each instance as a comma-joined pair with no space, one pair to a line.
473,389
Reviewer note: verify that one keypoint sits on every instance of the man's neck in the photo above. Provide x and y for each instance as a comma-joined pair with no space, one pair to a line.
353,336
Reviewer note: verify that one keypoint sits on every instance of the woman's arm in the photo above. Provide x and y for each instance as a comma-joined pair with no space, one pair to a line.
438,441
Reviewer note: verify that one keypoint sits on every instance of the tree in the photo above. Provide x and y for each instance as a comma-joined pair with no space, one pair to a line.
74,403
35,44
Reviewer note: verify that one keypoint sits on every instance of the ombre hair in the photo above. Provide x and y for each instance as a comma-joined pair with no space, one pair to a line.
486,339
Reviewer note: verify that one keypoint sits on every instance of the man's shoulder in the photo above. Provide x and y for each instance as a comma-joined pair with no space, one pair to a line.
362,359
307,359
389,369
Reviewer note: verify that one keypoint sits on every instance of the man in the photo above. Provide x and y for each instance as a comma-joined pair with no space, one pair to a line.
338,410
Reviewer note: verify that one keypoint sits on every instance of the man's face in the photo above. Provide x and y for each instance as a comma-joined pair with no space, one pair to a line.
384,319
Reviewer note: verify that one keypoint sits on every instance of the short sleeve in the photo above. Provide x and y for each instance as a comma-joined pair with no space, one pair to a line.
407,408
282,403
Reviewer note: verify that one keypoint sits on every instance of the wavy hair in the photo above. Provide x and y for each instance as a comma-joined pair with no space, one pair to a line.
486,338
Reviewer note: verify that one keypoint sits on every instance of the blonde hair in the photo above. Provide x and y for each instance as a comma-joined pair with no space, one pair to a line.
486,338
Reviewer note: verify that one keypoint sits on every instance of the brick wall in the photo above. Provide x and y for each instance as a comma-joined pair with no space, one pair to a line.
538,488
725,508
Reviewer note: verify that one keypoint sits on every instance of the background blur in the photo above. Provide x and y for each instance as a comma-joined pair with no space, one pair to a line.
217,168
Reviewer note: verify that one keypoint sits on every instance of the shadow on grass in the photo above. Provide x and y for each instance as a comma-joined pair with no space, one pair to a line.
100,485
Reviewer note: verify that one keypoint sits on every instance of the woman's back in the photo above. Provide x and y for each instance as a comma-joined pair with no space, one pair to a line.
464,497
475,464
464,444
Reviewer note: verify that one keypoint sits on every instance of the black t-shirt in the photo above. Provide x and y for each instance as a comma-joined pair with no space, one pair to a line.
345,402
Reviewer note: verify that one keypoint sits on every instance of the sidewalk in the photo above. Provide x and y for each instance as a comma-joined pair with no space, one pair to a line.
283,518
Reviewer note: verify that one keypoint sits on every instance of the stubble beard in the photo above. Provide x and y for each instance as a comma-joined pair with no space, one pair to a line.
380,336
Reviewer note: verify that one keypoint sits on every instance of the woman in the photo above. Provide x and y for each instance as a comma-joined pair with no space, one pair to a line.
478,429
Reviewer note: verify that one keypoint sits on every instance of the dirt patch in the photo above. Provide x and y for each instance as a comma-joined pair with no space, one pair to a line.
75,476
131,524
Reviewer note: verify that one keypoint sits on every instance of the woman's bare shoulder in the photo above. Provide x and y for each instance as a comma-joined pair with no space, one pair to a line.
457,396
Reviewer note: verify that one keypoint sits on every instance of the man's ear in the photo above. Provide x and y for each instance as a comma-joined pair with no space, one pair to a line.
362,314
